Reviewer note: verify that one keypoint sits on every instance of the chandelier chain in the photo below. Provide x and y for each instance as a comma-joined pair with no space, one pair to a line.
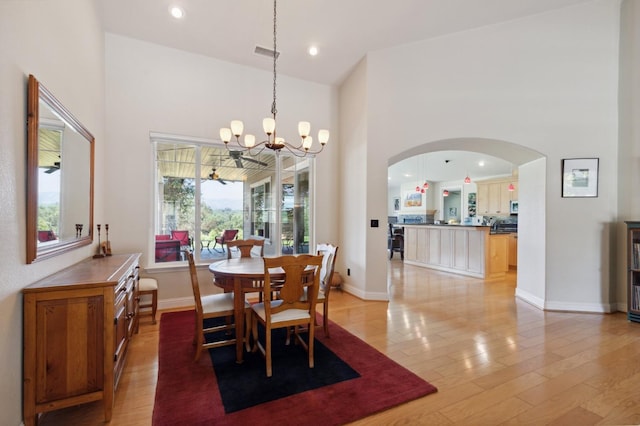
274,110
269,124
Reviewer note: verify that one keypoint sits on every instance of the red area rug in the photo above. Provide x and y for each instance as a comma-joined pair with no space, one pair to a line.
187,392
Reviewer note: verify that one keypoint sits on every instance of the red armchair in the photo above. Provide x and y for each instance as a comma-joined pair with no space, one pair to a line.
183,237
227,235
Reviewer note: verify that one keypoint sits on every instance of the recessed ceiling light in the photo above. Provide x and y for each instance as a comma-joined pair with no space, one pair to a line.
176,12
313,51
481,163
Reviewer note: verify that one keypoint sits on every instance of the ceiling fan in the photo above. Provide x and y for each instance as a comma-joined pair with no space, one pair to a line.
215,176
239,158
54,168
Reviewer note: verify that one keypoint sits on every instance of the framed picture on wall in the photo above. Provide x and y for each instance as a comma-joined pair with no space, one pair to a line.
412,199
396,204
580,177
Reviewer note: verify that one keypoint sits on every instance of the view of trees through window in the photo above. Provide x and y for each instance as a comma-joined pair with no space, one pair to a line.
179,208
204,190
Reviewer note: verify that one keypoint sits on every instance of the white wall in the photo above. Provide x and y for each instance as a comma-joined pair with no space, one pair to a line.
353,193
552,90
150,88
532,244
61,44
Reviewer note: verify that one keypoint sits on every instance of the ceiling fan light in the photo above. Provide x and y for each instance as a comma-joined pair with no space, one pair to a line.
249,141
269,125
225,134
323,136
307,142
237,127
304,127
278,141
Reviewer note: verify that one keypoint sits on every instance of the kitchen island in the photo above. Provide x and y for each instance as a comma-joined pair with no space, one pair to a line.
461,249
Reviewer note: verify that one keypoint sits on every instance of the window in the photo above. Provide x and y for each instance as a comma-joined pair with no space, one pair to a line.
203,189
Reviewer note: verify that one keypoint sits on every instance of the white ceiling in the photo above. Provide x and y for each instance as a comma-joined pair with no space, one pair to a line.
343,30
447,166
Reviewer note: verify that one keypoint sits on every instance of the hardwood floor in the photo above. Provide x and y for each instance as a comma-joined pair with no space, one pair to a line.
495,360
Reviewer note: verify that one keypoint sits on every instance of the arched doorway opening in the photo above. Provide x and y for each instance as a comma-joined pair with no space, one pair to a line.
530,167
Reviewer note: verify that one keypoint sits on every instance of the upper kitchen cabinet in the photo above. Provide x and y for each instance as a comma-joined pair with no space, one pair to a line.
494,197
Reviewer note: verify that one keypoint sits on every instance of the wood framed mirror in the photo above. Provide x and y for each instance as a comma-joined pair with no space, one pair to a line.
60,156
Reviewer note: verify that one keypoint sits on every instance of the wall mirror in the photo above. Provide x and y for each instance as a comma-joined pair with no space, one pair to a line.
60,155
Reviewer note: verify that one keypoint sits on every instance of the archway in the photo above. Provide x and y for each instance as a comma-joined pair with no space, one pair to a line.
531,166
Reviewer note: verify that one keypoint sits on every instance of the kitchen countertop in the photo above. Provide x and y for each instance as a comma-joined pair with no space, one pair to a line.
452,225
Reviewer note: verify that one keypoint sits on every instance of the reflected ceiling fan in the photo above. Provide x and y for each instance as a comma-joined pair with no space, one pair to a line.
215,176
54,168
239,158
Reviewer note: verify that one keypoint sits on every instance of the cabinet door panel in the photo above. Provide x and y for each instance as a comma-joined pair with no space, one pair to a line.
64,326
483,199
460,249
434,246
476,252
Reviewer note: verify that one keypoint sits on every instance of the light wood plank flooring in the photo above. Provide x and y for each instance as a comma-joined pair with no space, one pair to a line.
495,360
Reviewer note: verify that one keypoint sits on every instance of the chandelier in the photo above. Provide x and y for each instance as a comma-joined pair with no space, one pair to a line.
274,142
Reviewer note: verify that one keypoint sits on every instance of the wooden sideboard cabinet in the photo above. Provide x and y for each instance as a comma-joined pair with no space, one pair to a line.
77,326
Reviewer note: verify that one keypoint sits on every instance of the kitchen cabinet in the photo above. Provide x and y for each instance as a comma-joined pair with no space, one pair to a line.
494,197
498,258
77,326
513,250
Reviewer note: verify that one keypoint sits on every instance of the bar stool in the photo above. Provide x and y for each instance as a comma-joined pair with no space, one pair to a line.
148,286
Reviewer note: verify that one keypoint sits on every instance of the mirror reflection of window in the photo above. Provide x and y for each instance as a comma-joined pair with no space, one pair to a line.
49,148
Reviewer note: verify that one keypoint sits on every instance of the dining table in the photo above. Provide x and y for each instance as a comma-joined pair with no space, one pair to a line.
241,275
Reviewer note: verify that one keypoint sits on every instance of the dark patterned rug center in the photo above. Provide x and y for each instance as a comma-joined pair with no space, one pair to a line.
245,385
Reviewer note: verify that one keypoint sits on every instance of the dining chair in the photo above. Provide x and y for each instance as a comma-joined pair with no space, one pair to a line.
328,253
248,248
290,310
213,306
245,247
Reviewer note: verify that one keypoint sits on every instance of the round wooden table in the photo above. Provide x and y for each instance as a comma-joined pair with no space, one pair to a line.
240,276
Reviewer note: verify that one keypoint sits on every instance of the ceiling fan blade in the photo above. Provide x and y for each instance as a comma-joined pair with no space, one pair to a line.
221,181
239,163
260,163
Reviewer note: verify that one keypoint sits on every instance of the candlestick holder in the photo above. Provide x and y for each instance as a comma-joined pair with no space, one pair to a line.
107,243
99,253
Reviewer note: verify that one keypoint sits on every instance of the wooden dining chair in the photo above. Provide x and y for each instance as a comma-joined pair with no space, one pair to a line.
245,247
213,306
329,253
290,310
248,248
